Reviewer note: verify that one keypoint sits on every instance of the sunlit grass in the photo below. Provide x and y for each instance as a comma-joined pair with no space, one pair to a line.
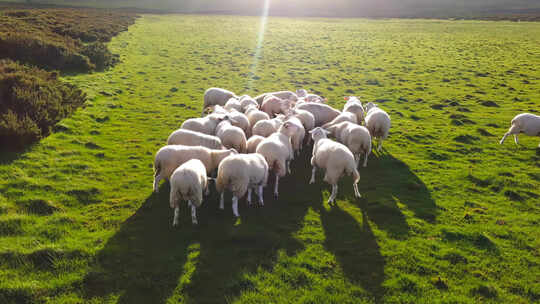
447,214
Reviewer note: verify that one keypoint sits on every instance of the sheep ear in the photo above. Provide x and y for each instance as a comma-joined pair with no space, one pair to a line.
233,150
326,131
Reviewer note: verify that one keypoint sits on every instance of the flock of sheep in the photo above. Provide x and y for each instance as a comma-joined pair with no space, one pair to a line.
246,138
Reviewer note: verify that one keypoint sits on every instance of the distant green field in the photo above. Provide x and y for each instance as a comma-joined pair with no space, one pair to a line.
447,214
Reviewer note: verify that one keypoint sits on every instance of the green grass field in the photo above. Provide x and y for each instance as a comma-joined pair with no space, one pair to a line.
447,214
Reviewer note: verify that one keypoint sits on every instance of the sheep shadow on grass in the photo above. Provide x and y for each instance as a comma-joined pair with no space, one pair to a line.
149,261
387,182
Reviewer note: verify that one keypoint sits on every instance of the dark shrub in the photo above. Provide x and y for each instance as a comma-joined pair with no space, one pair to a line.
31,102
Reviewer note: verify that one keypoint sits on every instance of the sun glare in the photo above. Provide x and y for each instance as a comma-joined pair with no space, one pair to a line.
260,40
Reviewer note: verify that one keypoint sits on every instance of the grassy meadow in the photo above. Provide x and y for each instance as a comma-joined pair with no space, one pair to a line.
447,214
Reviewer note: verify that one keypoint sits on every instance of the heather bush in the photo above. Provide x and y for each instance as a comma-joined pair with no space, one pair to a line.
31,102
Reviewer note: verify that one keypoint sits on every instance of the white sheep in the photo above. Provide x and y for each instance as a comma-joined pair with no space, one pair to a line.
253,115
216,96
206,125
301,93
231,136
233,103
335,158
370,105
265,128
170,157
354,105
287,95
307,119
378,123
278,151
240,174
297,139
246,101
355,137
343,117
188,182
253,142
273,105
523,123
192,138
239,119
323,113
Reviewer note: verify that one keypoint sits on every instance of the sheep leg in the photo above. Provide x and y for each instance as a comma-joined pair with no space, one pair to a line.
176,216
207,191
514,129
333,195
260,194
193,213
157,179
357,159
312,180
249,196
276,186
222,201
366,158
379,148
235,206
288,163
516,139
356,192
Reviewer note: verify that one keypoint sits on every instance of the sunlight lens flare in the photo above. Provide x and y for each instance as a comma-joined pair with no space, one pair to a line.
260,39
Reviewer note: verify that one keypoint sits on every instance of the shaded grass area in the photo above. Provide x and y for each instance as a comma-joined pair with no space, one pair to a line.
447,215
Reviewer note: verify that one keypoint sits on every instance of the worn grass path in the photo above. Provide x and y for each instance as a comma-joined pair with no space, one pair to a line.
447,214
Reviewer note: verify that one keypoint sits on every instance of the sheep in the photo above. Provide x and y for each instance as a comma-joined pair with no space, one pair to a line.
315,98
191,138
206,125
344,116
301,93
278,152
335,158
240,174
187,183
273,105
523,123
288,95
322,113
307,119
354,105
253,142
169,157
265,128
246,101
216,96
297,139
355,137
239,119
370,105
253,115
231,136
378,123
233,103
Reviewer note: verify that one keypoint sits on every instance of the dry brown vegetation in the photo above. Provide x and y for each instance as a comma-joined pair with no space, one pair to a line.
32,100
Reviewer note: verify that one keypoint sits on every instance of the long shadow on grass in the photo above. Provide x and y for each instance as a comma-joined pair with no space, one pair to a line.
388,181
143,261
148,261
229,252
354,246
